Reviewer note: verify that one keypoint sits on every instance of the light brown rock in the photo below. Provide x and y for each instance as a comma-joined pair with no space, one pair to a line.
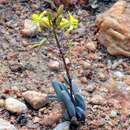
2,102
15,106
114,28
35,99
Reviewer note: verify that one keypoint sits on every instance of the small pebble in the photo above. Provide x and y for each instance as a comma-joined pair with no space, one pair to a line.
68,61
29,28
54,65
36,120
97,100
35,99
113,114
84,80
11,56
102,76
15,106
91,46
119,74
91,87
86,65
15,67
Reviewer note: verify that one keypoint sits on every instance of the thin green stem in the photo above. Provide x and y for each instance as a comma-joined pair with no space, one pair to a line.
65,65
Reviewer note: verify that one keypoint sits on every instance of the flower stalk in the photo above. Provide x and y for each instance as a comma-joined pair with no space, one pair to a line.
64,62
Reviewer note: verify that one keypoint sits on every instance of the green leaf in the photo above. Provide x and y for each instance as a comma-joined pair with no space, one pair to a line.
60,10
40,44
58,20
49,16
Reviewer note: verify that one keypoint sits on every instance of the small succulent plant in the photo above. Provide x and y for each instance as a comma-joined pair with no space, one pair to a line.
75,106
73,101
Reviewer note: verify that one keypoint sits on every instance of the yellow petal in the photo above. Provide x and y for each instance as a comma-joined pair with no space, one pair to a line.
64,23
73,21
45,22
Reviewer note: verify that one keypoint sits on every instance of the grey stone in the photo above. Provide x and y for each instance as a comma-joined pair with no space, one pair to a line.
5,125
62,126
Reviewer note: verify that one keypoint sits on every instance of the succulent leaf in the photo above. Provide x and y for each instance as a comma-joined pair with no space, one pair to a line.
57,89
58,20
68,104
74,86
79,101
39,44
66,116
80,114
63,87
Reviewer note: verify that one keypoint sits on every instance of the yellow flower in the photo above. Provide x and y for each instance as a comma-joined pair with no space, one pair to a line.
70,24
45,22
37,18
73,22
41,20
64,23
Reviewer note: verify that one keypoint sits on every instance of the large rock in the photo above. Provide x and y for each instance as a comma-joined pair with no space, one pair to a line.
114,28
35,99
5,125
15,106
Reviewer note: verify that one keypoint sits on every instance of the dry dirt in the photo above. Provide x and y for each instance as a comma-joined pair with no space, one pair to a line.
22,68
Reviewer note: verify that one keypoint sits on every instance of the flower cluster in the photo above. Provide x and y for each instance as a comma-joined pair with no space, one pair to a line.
48,20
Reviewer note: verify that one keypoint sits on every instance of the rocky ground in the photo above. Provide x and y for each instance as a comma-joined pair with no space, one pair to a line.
103,80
